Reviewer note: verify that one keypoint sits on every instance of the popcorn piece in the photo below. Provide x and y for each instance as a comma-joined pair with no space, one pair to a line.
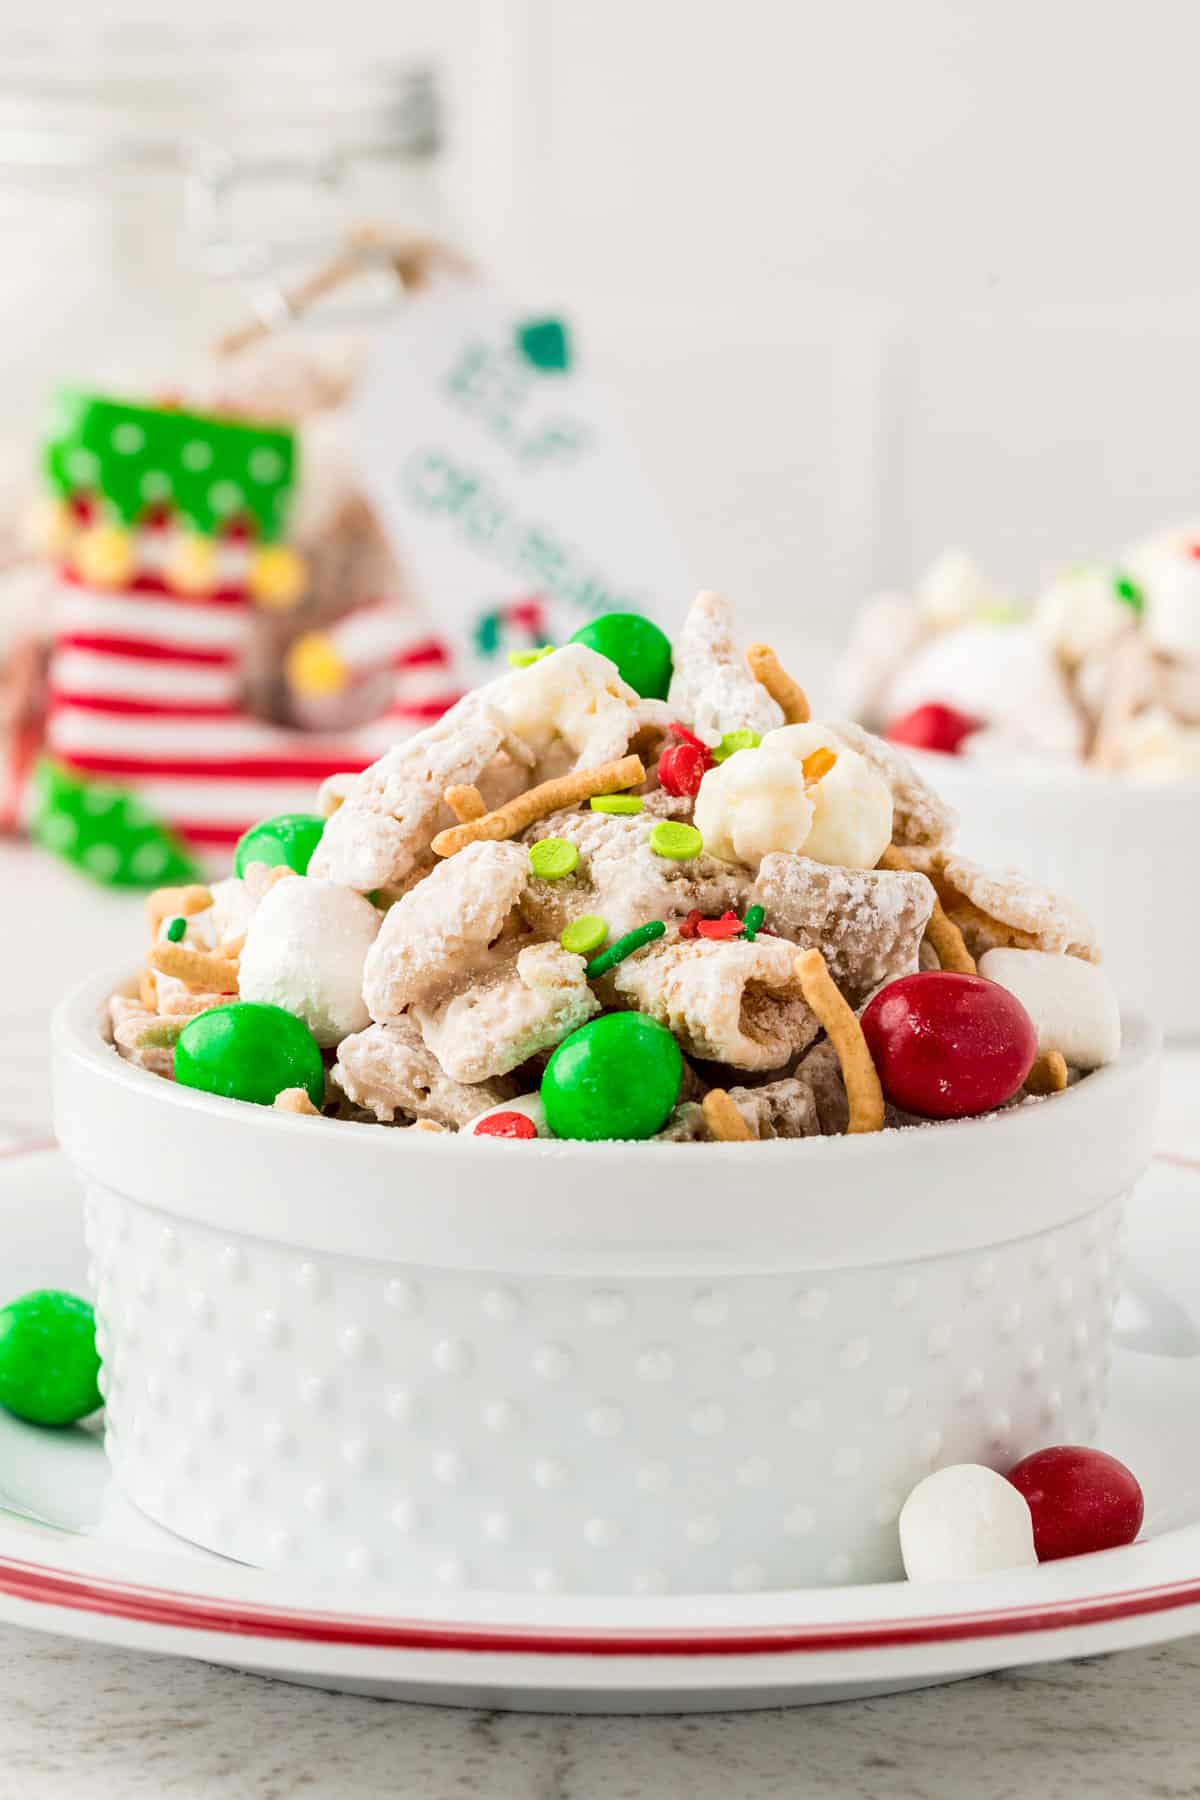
756,802
508,1013
953,591
962,1521
387,1070
441,932
886,633
572,709
867,923
712,690
852,803
1080,614
1002,910
384,826
1172,588
919,815
732,1002
1071,1003
620,878
305,949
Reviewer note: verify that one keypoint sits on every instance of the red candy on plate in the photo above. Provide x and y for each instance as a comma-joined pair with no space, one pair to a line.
933,727
683,765
946,1046
506,1125
1081,1500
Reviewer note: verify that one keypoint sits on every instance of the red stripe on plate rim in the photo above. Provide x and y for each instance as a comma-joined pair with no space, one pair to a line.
275,767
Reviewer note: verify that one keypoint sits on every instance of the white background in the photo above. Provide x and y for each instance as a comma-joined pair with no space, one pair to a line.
870,277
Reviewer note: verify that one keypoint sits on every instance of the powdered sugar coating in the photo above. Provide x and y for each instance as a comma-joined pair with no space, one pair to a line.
518,1006
919,815
620,877
440,932
128,1021
712,690
867,923
732,1002
386,1070
572,709
997,908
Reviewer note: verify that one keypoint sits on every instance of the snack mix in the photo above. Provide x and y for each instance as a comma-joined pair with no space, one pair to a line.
629,889
1101,672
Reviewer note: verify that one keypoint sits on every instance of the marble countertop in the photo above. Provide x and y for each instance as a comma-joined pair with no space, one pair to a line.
79,1722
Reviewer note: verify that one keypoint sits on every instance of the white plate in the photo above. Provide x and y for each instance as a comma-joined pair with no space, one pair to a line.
75,1559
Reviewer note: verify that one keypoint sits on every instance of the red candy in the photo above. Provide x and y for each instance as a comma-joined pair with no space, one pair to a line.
683,766
947,1045
727,926
933,727
1081,1500
506,1125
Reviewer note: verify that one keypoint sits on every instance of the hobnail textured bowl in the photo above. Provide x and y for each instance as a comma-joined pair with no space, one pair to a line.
1128,851
596,1368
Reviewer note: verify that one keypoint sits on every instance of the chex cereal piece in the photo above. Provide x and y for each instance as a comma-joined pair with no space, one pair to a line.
788,695
537,802
844,1032
1002,909
867,923
712,690
333,791
387,1071
129,1021
919,815
498,1019
440,933
197,969
296,1100
730,1002
820,1072
941,933
620,878
175,902
777,1109
385,823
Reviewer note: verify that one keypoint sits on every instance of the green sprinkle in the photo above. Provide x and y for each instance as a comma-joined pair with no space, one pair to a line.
552,858
752,923
734,741
617,803
524,659
1130,593
176,930
679,842
624,946
585,934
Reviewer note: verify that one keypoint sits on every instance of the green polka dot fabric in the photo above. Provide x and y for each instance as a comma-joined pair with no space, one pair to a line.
104,831
208,471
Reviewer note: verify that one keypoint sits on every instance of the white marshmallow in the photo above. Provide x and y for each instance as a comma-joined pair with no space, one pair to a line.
305,950
1172,615
852,803
529,1104
1080,614
1071,1002
754,802
962,1521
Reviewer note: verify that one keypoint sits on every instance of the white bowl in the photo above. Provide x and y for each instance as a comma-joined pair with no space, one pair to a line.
594,1367
1128,852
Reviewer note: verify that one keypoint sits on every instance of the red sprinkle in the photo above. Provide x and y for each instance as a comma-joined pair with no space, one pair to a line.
506,1125
691,925
727,926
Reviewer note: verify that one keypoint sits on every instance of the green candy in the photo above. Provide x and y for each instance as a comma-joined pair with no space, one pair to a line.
288,838
640,650
246,1051
616,1077
49,1364
584,934
553,858
675,840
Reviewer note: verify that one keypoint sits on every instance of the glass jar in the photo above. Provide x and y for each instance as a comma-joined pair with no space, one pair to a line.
156,192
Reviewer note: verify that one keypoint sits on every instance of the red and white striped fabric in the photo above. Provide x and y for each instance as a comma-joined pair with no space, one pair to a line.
144,691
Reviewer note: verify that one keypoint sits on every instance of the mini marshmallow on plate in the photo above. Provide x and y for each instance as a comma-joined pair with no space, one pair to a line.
1071,1002
755,802
305,949
965,1520
852,803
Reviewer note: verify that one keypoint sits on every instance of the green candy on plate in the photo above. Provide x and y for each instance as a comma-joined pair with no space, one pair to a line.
287,839
248,1051
49,1365
640,650
618,1076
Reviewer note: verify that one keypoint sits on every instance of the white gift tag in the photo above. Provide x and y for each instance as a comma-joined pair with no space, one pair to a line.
507,485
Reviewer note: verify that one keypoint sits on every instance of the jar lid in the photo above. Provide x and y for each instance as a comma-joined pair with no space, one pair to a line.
169,99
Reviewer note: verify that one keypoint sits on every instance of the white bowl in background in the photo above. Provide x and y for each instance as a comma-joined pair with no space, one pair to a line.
598,1368
1128,852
